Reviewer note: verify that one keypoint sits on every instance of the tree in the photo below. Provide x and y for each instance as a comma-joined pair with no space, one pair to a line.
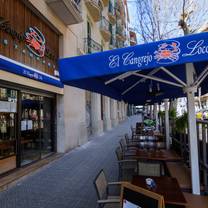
162,19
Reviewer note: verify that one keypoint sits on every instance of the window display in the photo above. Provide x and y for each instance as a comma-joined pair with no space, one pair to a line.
8,112
32,138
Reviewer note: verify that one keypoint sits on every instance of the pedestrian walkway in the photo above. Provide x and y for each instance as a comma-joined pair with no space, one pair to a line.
68,182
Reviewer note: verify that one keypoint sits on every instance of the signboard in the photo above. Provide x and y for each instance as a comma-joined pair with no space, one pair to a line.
187,49
27,38
8,107
35,41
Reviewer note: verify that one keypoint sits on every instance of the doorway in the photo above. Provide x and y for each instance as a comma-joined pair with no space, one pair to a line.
36,127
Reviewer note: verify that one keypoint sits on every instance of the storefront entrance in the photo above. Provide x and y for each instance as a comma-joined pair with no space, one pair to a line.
26,128
36,138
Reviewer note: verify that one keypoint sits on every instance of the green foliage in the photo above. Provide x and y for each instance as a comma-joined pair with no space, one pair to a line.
181,123
149,122
161,114
172,113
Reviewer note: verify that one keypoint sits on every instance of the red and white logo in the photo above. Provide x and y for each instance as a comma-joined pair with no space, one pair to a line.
35,41
168,52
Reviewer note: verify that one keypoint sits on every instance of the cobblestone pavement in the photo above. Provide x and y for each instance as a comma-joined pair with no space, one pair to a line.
68,181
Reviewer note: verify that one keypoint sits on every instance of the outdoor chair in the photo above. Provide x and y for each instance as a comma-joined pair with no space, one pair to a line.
134,140
131,142
147,168
102,186
128,148
127,166
133,131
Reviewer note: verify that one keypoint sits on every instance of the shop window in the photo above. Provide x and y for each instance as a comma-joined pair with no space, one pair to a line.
8,126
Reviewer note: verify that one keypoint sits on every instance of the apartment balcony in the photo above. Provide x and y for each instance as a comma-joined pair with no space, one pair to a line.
111,13
105,2
91,46
124,35
112,43
117,10
104,29
119,33
69,11
94,8
119,44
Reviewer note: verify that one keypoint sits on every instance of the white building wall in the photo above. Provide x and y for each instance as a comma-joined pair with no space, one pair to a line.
71,121
71,108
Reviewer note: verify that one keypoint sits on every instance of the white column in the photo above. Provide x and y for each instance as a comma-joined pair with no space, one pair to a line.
61,137
106,117
97,123
123,110
153,112
150,111
113,112
156,116
119,111
167,125
192,131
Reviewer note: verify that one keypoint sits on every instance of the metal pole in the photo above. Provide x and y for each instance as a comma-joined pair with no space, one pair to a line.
167,125
156,116
192,131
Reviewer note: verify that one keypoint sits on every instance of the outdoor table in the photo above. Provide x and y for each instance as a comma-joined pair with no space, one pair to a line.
142,138
156,155
166,186
159,135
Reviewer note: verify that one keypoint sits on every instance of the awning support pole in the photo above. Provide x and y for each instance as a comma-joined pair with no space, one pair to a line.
167,125
173,76
192,131
201,77
158,79
140,81
120,77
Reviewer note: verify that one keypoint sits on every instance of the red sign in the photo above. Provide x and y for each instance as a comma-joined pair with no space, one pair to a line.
35,41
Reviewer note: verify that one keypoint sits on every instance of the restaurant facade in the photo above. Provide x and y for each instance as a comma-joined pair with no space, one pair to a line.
29,83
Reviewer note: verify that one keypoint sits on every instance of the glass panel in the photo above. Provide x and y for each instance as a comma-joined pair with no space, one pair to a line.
8,112
45,125
30,128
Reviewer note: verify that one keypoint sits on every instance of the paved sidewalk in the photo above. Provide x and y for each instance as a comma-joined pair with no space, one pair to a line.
68,182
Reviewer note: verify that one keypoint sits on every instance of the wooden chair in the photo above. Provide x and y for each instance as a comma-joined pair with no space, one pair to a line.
146,168
105,200
127,166
131,148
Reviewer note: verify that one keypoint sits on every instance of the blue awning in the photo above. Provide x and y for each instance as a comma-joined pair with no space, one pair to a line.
92,72
15,67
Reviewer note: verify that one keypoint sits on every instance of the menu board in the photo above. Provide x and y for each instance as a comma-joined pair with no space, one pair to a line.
8,107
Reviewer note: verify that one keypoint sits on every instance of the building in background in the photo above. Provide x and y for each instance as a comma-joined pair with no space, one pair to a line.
39,116
133,38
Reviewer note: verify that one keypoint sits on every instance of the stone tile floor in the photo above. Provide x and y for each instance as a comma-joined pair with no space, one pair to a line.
68,181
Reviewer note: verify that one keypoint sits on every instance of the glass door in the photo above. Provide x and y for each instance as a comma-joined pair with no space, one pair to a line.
46,122
30,140
36,127
8,129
